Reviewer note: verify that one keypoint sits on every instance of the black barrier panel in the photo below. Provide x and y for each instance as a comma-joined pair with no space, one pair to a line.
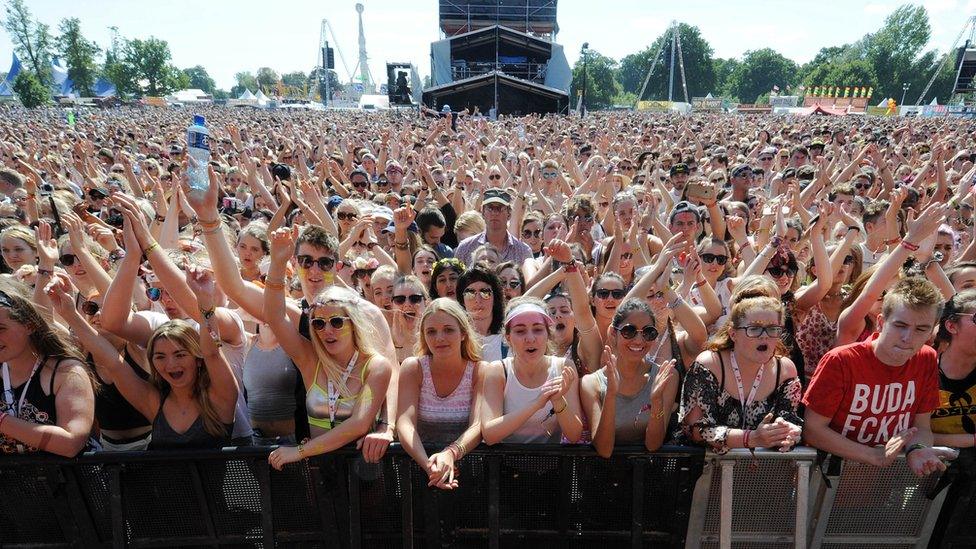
509,496
956,527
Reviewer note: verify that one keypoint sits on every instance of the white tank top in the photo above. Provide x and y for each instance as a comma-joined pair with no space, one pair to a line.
542,426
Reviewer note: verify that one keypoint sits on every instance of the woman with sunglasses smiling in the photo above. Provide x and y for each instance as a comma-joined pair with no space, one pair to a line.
346,376
480,293
607,292
530,397
742,392
629,400
448,363
407,306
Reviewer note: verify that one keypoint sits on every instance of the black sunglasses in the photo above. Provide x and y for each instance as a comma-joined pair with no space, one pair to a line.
513,284
342,216
629,331
760,331
325,263
415,299
848,260
318,323
90,308
777,272
604,293
712,258
67,259
360,184
96,194
532,234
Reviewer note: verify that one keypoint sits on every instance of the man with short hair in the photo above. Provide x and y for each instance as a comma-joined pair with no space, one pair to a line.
867,400
740,178
432,226
875,222
686,218
496,208
10,181
679,178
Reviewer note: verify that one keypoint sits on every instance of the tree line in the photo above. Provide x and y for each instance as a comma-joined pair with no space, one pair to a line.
884,60
138,67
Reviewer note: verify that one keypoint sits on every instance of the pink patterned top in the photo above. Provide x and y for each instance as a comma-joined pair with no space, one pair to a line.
443,419
815,335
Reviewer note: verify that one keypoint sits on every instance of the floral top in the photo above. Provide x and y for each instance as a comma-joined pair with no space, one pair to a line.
721,411
815,335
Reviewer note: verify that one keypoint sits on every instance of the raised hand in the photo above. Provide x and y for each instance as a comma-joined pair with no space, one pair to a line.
609,362
58,291
47,246
282,244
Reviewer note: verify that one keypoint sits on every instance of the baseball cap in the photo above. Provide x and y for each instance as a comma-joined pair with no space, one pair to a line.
383,212
740,169
414,228
496,196
685,207
679,168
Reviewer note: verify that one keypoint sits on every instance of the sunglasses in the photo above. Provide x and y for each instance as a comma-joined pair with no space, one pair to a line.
626,168
342,216
360,184
760,331
325,263
90,308
96,194
765,158
484,293
549,175
382,183
494,177
153,293
532,234
712,258
337,322
415,299
585,218
779,272
604,293
67,259
629,331
860,186
848,260
513,284
368,245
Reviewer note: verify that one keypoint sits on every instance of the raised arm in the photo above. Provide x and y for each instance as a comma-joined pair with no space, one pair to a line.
223,383
298,347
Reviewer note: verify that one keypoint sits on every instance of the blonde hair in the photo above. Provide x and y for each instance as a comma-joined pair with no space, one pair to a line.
186,337
471,222
470,347
362,332
21,232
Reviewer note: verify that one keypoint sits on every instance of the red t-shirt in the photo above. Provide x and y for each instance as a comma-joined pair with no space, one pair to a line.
868,401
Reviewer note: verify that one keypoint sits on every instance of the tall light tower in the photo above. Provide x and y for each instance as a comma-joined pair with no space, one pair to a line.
362,66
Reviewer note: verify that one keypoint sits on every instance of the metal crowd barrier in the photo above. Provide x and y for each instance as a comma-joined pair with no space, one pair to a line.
772,499
509,496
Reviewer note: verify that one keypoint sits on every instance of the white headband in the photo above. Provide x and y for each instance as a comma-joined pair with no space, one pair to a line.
527,308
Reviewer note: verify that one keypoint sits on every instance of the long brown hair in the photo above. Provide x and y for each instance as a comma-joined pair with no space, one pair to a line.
186,337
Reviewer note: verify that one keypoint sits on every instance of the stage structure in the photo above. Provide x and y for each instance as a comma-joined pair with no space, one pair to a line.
965,63
499,56
674,38
403,84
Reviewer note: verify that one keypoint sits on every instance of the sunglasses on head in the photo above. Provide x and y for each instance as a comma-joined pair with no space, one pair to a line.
415,299
337,322
153,293
760,331
325,263
527,233
90,308
67,259
629,331
484,293
342,216
713,258
604,293
779,272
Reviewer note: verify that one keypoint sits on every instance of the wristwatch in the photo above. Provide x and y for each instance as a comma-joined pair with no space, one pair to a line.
116,255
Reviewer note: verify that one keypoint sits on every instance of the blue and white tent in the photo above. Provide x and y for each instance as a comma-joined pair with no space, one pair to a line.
7,84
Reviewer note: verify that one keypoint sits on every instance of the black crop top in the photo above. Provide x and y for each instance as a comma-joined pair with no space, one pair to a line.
112,410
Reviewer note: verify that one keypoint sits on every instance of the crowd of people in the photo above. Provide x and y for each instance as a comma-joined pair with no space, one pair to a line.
445,280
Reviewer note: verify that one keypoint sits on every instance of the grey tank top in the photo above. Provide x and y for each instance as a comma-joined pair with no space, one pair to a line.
633,411
269,380
165,438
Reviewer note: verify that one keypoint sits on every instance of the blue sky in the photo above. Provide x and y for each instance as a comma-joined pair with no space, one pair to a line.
226,37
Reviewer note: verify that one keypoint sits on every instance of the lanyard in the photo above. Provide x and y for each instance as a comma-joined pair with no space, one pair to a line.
738,383
8,392
334,391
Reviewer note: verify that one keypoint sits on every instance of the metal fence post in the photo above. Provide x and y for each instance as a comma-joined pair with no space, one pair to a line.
725,522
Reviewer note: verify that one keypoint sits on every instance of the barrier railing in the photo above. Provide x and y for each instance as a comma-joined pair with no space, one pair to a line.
508,496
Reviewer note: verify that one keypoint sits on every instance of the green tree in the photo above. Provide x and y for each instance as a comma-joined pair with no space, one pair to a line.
177,79
894,50
79,54
334,85
699,69
601,82
31,92
221,95
149,61
724,69
121,74
31,40
759,71
297,79
199,78
267,79
245,81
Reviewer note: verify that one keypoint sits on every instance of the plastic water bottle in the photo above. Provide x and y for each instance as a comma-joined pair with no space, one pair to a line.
198,147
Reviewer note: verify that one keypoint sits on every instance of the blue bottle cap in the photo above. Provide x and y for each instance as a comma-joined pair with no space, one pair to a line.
198,119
